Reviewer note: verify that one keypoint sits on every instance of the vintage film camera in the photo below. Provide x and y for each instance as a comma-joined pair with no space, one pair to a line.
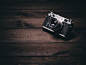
55,22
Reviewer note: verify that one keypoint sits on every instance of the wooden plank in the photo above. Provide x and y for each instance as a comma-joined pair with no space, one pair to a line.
42,1
42,13
44,6
31,1
42,60
42,49
21,1
38,35
17,23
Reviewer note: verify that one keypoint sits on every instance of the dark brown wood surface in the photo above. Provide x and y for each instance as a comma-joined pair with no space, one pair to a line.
24,42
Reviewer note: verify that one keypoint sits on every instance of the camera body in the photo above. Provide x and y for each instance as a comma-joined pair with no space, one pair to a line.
55,22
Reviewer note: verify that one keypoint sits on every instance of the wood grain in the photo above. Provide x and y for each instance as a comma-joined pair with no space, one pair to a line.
42,13
42,49
23,42
33,23
43,60
38,35
44,6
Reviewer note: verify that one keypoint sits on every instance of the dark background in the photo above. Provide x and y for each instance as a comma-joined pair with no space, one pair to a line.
23,42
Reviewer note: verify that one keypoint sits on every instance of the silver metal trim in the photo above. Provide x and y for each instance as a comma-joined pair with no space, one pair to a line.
48,29
62,35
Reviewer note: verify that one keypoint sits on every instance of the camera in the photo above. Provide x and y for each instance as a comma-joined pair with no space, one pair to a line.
54,22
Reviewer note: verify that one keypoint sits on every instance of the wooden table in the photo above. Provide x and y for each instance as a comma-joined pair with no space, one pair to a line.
23,42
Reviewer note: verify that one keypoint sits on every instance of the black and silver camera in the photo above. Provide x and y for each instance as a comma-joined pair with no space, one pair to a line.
55,22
